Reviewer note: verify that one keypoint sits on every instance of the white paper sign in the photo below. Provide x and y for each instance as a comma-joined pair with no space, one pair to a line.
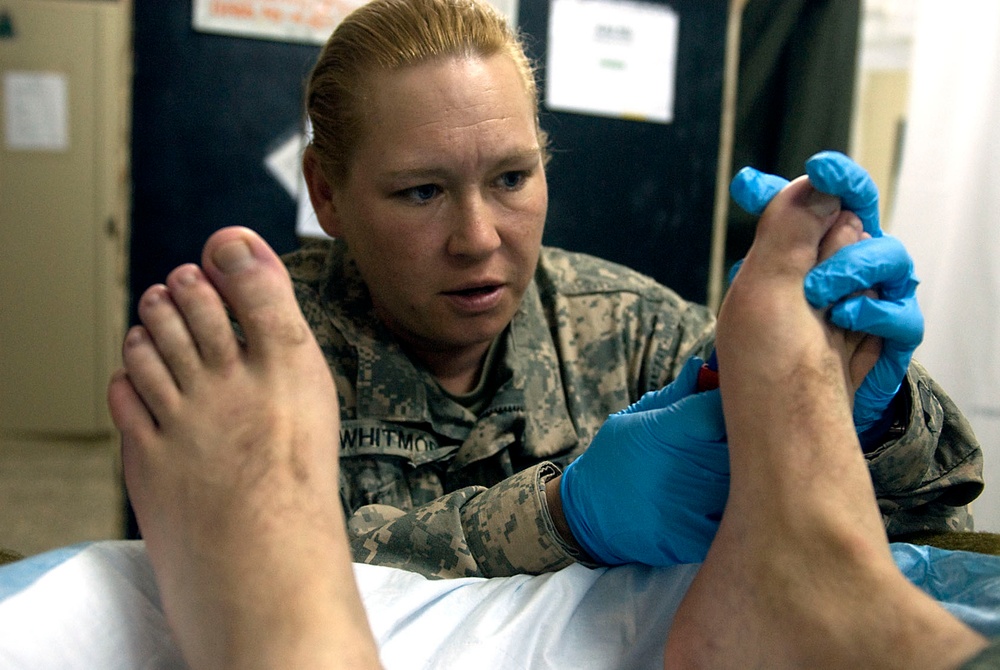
612,58
36,113
308,21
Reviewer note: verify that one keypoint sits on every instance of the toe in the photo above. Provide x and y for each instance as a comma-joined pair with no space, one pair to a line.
208,326
149,375
253,282
166,325
791,228
128,411
846,230
139,434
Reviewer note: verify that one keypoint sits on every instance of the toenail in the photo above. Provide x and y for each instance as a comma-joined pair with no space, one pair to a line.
822,204
233,256
153,296
135,336
186,276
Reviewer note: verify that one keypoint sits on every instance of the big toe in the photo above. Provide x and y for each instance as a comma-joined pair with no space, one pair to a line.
255,285
791,229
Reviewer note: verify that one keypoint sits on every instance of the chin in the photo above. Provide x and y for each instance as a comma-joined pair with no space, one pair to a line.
464,337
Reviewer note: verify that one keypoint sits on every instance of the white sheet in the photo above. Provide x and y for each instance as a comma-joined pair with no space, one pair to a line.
96,606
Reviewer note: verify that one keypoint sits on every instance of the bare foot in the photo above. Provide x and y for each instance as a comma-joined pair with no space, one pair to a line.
800,573
230,459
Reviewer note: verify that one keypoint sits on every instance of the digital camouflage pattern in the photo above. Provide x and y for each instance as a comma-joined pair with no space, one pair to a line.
433,488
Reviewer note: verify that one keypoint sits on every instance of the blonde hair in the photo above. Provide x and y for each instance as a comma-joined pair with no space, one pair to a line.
386,35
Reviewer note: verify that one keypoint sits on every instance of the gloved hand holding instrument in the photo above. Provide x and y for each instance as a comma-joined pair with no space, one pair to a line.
653,483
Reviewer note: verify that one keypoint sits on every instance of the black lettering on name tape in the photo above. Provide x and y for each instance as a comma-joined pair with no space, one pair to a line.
376,437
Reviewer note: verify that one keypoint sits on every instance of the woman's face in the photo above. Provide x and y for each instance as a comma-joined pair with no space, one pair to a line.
445,201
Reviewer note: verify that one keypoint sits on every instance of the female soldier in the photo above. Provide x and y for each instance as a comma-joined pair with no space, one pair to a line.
472,363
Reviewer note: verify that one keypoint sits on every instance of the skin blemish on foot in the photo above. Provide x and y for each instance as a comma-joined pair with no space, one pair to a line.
233,257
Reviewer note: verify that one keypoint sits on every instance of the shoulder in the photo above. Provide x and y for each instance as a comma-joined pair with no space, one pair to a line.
574,274
314,267
322,271
310,262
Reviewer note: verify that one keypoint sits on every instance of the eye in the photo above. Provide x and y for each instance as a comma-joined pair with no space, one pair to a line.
513,180
420,194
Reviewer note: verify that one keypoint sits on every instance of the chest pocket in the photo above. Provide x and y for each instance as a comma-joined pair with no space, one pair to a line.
390,464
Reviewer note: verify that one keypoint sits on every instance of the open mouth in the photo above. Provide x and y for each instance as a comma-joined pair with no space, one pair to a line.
477,299
478,290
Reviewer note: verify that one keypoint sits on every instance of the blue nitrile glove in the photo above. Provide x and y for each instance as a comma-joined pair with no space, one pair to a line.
830,172
834,173
880,263
895,316
652,486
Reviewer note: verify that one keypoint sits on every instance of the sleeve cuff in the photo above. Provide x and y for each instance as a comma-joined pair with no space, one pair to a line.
509,528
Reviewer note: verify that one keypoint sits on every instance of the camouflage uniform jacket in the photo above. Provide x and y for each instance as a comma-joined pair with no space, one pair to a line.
431,487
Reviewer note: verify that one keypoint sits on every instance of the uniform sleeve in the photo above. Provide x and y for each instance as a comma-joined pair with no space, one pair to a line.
473,532
925,479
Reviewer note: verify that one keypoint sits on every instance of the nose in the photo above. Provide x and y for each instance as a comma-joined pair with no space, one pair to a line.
474,230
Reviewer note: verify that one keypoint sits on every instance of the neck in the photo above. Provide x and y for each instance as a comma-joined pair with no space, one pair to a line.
457,373
456,368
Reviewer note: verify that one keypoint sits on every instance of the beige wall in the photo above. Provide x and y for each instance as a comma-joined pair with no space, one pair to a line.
880,119
63,236
63,218
883,91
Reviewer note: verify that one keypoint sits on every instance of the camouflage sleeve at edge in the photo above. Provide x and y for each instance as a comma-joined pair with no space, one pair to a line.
428,540
473,532
926,478
510,530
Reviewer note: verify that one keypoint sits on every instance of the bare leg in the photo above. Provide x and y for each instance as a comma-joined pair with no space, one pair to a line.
800,573
230,458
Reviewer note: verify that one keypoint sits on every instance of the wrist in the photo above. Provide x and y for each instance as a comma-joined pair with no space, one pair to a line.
553,500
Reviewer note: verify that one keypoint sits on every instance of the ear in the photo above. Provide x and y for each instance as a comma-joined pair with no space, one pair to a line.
320,193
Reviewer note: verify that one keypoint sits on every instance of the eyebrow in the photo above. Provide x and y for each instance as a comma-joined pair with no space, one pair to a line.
513,159
520,157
